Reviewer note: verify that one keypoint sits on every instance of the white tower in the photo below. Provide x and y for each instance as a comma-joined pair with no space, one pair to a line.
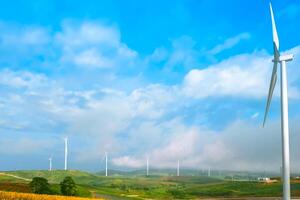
178,172
147,172
50,164
105,163
66,153
282,60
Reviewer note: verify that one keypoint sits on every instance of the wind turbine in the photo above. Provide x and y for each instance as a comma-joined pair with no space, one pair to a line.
147,168
282,59
66,153
50,163
178,172
105,163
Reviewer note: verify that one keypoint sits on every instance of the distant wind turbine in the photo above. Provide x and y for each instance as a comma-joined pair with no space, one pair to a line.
105,163
282,59
147,168
178,165
50,163
66,153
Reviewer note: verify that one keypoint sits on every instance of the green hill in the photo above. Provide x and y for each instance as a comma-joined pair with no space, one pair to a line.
161,184
56,176
18,181
154,172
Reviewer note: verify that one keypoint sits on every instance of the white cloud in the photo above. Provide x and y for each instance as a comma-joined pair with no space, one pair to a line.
88,33
127,161
23,146
17,36
183,54
241,76
95,45
151,101
241,146
229,43
159,54
181,146
91,58
174,141
21,79
106,117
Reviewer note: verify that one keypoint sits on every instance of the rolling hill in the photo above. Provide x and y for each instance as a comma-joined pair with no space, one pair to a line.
135,185
56,176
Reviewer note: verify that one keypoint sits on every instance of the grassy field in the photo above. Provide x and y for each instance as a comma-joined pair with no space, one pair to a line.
17,183
154,187
188,188
56,176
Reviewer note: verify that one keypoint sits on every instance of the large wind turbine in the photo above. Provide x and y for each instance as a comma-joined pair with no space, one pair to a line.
66,153
282,59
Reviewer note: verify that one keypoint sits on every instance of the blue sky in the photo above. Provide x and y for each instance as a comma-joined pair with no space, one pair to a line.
173,80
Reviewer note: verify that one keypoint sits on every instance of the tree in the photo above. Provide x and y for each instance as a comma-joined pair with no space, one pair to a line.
40,185
68,187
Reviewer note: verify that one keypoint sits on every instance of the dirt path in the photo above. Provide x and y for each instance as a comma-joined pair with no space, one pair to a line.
14,176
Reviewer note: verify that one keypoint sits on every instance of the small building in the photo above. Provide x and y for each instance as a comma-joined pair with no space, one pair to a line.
265,180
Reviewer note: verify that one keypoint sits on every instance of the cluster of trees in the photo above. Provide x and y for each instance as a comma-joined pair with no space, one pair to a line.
40,185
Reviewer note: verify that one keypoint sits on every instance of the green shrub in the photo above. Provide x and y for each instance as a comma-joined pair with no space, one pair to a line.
68,187
40,185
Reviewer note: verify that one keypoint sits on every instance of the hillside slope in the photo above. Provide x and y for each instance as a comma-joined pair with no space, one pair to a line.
56,176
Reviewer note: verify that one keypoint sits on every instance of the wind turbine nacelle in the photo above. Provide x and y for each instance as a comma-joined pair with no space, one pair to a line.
287,57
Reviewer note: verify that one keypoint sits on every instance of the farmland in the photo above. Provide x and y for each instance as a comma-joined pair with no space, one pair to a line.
26,196
136,186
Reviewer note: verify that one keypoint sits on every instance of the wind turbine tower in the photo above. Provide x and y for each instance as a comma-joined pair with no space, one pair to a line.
178,165
50,164
105,163
66,153
282,59
147,173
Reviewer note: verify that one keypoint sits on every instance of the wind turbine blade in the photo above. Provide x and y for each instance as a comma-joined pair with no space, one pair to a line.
271,90
275,35
276,60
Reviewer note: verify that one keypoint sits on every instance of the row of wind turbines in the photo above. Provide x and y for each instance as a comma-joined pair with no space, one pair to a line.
66,158
106,161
